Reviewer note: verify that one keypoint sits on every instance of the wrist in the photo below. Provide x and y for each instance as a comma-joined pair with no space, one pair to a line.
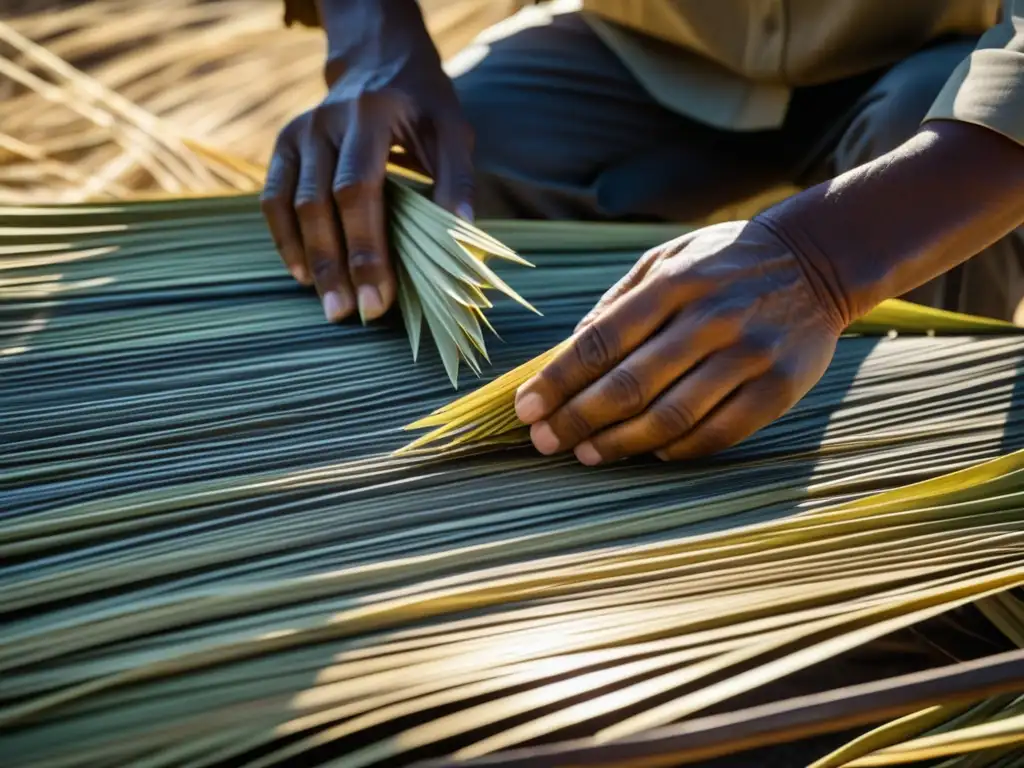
371,34
816,266
891,225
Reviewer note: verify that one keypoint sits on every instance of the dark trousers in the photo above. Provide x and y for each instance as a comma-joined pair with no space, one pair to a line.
564,131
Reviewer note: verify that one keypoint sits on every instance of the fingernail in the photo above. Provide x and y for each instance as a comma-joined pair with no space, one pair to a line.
662,455
587,454
301,275
336,306
530,407
464,211
371,306
544,438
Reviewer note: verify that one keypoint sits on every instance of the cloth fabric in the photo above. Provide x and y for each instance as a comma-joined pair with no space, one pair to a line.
734,63
564,131
987,88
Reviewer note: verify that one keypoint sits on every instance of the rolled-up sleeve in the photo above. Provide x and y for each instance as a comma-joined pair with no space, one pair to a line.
301,12
988,87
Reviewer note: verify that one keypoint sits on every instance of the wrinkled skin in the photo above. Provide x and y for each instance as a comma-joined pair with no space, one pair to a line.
323,195
709,338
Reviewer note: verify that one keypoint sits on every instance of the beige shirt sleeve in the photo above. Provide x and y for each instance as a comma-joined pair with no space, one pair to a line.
988,87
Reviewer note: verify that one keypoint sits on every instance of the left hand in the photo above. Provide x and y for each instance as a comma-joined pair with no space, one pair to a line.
324,195
709,338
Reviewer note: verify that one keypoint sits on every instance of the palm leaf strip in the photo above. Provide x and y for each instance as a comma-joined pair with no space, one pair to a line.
208,552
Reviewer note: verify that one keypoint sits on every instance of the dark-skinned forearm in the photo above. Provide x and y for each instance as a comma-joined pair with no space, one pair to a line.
893,224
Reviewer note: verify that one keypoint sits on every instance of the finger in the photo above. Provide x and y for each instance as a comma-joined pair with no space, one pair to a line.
603,344
627,283
453,188
751,407
359,194
678,412
632,385
277,202
321,231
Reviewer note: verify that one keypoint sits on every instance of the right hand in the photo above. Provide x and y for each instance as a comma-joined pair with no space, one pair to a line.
323,196
709,338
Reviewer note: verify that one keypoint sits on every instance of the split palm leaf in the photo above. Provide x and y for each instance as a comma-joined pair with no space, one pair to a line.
442,277
489,413
977,734
208,553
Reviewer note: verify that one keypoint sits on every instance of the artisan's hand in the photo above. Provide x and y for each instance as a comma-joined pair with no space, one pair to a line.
323,197
708,339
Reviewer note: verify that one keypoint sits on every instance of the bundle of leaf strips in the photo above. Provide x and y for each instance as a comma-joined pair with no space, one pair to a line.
209,556
488,414
442,276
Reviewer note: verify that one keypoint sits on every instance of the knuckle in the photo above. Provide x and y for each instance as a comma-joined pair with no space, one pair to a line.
270,202
572,424
758,350
624,390
351,186
310,187
294,128
323,117
308,204
321,264
594,350
671,419
364,258
781,384
281,176
587,320
288,138
556,376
